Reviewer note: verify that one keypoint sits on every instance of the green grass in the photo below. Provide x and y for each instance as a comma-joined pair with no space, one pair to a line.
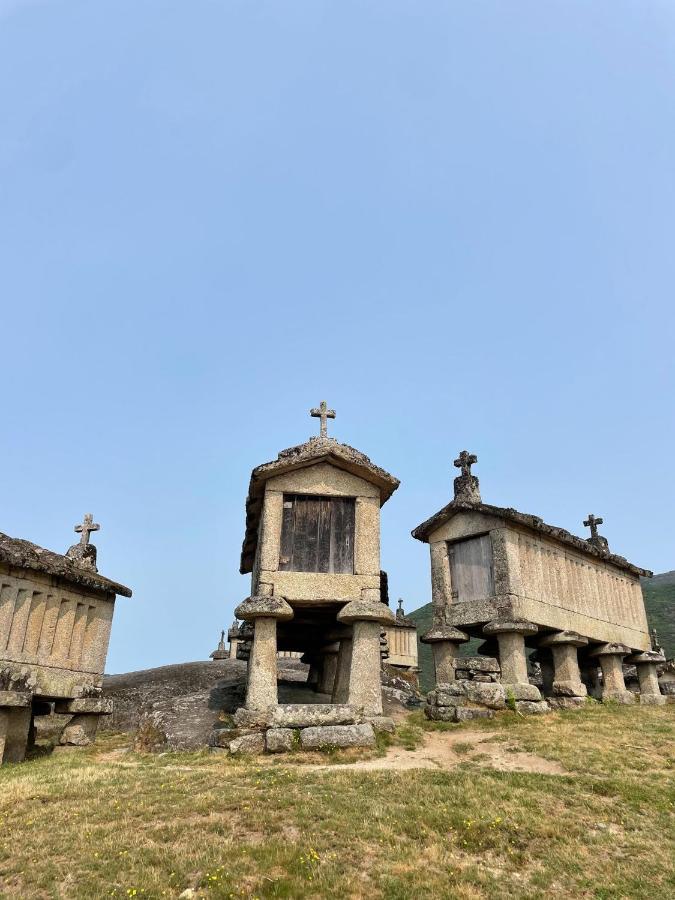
659,594
108,822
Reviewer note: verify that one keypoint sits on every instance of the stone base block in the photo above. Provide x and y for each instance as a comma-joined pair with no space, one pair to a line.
522,691
566,702
337,736
280,740
569,689
305,715
491,695
382,723
652,700
248,743
531,708
440,713
80,731
624,697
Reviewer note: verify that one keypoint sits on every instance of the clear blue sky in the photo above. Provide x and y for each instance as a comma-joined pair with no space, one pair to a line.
452,220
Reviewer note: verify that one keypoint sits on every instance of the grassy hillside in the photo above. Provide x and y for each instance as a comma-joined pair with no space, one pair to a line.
106,821
659,594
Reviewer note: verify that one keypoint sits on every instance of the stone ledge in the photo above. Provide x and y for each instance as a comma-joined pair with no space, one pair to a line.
338,736
304,715
15,698
101,706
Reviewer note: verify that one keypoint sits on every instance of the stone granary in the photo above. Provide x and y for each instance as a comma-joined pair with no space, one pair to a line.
55,617
401,637
312,546
512,579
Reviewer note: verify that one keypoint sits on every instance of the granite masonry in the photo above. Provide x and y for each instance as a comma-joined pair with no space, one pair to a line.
312,547
522,585
55,618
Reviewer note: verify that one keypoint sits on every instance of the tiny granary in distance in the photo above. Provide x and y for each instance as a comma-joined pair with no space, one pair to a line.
401,635
312,546
55,618
514,580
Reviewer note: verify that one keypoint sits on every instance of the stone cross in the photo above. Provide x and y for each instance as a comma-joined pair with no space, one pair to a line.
86,528
465,460
592,523
323,413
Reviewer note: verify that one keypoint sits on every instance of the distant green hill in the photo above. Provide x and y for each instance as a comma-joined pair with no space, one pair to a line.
659,594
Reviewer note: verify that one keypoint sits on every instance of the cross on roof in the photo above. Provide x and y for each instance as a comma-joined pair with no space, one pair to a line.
86,528
322,412
465,460
592,523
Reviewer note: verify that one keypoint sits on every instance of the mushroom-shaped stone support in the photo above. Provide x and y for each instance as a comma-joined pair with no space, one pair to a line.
261,690
510,633
646,663
566,675
445,641
366,617
610,657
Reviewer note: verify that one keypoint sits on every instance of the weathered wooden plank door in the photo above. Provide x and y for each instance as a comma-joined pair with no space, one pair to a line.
317,534
471,569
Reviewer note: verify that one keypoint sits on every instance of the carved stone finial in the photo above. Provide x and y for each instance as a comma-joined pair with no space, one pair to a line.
465,460
656,647
466,484
84,553
86,528
323,413
596,539
220,652
400,614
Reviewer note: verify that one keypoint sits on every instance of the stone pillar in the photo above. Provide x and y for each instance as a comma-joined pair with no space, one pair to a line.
445,641
611,657
344,665
567,677
646,663
329,669
510,634
365,685
261,687
86,712
15,722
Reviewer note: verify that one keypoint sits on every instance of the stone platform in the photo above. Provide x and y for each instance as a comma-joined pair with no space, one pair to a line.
299,726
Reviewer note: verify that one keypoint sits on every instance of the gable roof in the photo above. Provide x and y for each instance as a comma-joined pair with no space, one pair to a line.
533,523
23,555
316,449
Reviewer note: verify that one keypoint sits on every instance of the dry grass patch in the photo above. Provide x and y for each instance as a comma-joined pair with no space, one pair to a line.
104,822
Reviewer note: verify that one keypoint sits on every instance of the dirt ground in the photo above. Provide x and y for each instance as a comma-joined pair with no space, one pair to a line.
445,750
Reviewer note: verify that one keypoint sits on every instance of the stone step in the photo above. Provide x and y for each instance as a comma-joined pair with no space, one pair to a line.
304,715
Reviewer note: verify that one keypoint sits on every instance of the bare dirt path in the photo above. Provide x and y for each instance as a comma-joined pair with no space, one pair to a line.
444,750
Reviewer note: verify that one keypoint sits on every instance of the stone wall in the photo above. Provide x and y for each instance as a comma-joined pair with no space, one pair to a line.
61,633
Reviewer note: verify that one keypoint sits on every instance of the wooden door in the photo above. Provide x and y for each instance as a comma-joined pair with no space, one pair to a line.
471,569
317,534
